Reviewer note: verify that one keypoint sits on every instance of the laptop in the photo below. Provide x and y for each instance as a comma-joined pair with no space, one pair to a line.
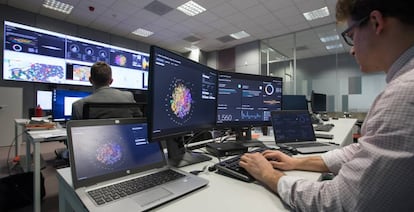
293,128
110,153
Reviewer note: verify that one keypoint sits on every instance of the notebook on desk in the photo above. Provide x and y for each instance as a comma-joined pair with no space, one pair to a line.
109,156
293,128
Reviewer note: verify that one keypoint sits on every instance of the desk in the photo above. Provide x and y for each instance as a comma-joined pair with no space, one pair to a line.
206,197
221,194
342,131
35,138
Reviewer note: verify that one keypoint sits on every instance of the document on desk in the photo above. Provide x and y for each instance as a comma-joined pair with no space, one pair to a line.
55,133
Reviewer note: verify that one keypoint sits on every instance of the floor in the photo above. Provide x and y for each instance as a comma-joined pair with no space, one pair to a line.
50,201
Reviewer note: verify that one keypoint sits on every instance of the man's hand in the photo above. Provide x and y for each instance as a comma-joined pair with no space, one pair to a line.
280,160
261,169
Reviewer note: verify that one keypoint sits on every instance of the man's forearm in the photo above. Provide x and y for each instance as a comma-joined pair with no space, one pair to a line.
311,163
271,179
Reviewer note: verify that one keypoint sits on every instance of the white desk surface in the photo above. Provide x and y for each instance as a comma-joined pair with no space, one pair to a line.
221,194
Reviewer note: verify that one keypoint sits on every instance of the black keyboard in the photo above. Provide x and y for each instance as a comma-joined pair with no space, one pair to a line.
116,191
323,127
230,167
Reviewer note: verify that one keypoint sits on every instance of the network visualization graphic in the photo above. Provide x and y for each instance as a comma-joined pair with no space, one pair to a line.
179,101
109,154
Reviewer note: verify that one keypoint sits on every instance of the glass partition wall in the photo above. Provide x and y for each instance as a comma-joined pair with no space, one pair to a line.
318,60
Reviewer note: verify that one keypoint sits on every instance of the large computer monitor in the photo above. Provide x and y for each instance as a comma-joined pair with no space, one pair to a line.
62,103
182,99
318,102
294,102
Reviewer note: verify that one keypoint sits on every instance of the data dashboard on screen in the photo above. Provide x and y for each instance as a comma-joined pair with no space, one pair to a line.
36,55
246,99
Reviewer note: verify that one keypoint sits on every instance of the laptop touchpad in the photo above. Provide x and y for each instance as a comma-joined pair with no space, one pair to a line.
151,196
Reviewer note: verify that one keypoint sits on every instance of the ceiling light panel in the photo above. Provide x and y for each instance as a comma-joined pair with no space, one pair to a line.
240,35
329,38
334,46
316,14
142,32
58,6
191,8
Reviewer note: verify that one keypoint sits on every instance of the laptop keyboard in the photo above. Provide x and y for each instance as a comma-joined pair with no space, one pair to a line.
230,167
312,144
116,191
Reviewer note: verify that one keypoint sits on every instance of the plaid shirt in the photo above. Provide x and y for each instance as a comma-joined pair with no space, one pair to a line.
377,173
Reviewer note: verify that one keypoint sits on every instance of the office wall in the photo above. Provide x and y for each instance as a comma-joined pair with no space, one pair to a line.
244,58
333,75
248,58
11,102
31,19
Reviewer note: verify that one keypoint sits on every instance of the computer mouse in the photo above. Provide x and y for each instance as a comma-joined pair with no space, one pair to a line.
212,168
325,118
294,151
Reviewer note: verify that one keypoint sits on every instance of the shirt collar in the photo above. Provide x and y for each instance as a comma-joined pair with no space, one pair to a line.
399,63
101,88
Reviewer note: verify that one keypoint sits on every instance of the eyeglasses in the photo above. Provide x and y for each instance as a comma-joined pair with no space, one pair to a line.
348,35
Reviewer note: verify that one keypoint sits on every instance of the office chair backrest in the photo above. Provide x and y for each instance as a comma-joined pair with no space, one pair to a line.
103,110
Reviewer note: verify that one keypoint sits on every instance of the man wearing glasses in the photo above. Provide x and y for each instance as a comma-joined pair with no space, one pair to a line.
375,174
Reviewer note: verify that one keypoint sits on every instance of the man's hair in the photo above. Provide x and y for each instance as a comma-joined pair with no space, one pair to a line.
358,9
101,74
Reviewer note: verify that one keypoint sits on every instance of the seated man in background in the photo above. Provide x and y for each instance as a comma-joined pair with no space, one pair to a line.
101,79
375,174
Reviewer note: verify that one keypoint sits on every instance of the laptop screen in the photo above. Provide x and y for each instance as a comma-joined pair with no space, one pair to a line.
105,151
292,126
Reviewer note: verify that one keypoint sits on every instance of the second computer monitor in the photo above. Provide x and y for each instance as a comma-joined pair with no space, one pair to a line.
246,99
62,103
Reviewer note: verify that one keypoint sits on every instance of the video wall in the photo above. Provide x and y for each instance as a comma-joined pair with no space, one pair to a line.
36,55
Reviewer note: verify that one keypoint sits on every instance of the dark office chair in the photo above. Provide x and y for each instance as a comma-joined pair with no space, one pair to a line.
104,110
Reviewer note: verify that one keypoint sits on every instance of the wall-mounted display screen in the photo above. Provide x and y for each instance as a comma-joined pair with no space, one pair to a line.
36,55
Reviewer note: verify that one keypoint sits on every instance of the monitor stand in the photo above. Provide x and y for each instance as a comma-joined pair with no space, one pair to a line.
244,137
178,156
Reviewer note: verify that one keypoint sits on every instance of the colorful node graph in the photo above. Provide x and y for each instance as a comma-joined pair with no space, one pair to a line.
181,101
109,154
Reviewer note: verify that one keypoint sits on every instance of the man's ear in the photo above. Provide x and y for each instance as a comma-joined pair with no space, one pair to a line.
90,80
377,18
110,81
